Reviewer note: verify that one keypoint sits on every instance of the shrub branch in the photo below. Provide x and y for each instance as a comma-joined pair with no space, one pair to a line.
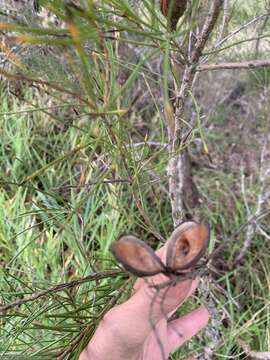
251,64
60,287
178,169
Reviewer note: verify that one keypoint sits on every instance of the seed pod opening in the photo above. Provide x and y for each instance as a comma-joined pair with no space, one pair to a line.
136,256
186,245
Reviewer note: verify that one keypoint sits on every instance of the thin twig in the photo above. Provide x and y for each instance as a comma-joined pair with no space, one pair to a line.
254,355
227,241
199,272
150,143
60,287
225,19
264,176
242,27
261,30
250,64
244,193
46,83
91,183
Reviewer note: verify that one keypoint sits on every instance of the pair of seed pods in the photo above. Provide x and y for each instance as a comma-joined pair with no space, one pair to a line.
185,247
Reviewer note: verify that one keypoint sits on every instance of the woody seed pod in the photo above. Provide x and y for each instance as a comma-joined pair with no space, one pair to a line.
136,256
173,10
186,245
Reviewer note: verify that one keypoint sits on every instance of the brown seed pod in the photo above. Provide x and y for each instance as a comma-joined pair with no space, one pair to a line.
173,10
136,256
186,245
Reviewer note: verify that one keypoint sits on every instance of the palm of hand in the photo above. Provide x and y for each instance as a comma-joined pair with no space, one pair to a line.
139,330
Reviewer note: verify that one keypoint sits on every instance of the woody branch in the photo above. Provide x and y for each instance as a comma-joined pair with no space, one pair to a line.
177,167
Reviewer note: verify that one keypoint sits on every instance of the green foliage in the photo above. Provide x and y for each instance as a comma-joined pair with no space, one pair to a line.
83,156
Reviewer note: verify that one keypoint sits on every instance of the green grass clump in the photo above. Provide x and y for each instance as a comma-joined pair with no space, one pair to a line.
63,201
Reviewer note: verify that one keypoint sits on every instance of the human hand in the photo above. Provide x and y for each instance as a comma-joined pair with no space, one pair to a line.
139,329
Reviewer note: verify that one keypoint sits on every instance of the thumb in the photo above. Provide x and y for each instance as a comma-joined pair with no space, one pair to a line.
184,328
